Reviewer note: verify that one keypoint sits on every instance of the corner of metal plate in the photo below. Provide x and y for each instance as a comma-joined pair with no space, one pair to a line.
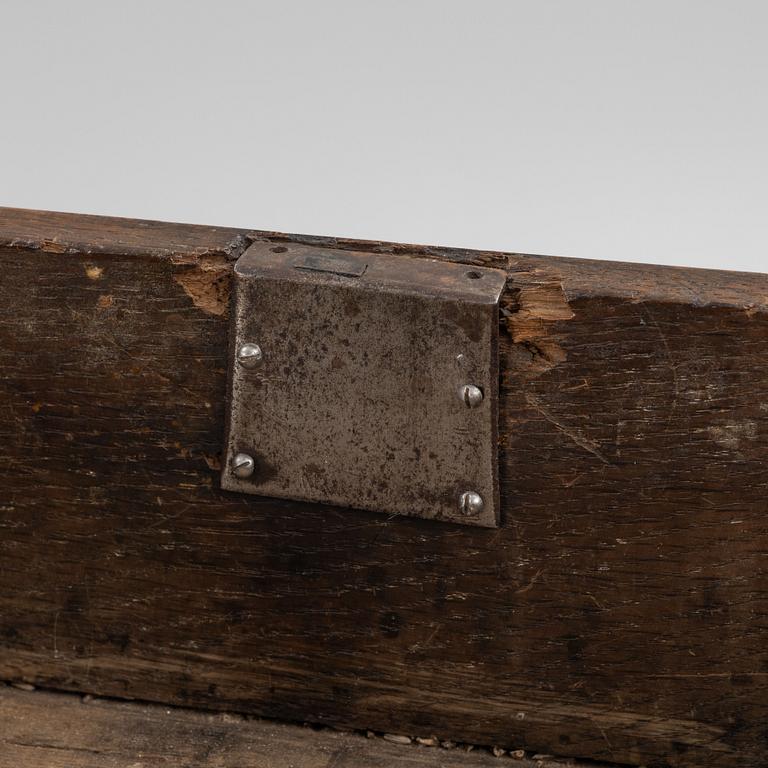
367,381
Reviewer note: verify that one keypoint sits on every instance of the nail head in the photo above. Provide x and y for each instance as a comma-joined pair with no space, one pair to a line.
243,465
471,503
249,355
471,395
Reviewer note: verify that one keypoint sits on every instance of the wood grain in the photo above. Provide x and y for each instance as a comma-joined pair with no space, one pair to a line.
618,614
54,730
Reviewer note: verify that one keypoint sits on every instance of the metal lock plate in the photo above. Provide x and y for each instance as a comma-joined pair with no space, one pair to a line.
365,380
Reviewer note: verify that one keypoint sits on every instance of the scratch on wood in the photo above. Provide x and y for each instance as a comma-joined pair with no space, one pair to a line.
670,358
529,586
730,435
580,440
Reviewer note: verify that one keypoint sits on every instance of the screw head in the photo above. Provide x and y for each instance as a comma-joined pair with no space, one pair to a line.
249,355
471,503
471,395
243,465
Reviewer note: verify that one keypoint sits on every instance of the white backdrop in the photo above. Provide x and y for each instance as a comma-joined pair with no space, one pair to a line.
610,129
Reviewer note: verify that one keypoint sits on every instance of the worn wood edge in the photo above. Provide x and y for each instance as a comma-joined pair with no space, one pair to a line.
205,246
541,292
44,729
62,233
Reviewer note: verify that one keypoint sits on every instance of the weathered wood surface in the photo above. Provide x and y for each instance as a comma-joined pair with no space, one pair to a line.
620,613
55,730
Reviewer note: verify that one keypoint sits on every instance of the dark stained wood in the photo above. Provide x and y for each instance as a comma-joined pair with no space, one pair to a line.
81,234
54,730
618,614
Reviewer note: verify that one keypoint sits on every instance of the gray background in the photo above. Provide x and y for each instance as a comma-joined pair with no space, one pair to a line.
596,128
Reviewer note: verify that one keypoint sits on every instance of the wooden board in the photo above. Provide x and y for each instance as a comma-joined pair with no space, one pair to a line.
54,730
618,614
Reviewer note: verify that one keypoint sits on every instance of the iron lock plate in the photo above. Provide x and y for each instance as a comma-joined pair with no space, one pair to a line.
365,380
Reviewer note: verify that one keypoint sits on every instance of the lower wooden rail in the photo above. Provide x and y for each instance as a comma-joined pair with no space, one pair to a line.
53,730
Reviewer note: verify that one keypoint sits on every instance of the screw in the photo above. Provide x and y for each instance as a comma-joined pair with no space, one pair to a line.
243,465
471,395
471,503
249,355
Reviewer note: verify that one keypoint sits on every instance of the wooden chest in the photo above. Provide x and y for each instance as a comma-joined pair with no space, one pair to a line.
618,612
